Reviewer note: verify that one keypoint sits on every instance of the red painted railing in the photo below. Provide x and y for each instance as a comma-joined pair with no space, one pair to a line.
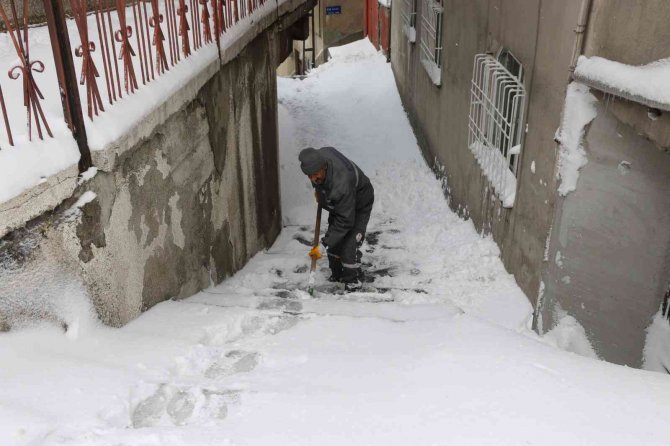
152,35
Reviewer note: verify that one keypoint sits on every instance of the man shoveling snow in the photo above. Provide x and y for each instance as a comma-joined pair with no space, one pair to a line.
346,193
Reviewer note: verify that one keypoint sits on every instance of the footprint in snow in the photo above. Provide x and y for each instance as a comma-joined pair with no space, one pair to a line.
183,406
235,361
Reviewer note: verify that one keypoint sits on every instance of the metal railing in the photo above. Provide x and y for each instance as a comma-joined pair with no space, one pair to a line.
115,38
497,107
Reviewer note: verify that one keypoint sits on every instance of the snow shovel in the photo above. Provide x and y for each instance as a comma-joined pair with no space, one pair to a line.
312,269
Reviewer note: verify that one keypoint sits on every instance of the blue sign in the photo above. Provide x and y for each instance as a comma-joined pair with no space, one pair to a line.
330,10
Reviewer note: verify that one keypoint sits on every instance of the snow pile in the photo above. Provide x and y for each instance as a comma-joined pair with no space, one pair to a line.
649,83
27,163
578,112
657,345
570,336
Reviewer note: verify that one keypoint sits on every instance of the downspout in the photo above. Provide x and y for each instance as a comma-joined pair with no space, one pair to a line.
580,30
388,56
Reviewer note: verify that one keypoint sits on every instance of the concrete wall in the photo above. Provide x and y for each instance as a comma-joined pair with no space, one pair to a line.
629,31
339,29
540,35
183,207
609,256
612,232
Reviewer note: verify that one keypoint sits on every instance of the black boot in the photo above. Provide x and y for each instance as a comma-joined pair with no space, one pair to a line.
353,286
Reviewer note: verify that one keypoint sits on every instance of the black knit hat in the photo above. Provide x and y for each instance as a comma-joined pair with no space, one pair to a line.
311,160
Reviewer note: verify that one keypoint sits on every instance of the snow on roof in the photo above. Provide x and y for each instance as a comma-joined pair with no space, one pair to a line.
647,84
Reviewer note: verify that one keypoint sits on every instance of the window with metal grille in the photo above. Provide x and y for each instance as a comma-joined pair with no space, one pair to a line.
497,106
431,39
408,14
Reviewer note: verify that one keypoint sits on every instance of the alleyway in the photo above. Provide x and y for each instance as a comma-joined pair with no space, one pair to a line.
442,354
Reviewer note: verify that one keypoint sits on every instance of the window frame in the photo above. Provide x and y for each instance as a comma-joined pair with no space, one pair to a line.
408,15
496,124
431,48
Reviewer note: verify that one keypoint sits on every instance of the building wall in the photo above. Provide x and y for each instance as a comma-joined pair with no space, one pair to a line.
609,261
328,31
540,35
634,32
340,29
612,232
182,208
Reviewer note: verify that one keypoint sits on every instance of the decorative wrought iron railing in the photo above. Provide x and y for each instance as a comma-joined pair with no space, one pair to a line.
123,45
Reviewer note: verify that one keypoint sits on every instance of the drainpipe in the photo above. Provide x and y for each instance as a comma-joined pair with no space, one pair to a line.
390,27
582,23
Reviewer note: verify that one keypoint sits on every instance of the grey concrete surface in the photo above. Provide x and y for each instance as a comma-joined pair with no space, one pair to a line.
613,239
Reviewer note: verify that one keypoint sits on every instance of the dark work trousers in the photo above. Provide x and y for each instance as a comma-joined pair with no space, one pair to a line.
344,258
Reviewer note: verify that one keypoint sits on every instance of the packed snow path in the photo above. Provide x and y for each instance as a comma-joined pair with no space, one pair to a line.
442,356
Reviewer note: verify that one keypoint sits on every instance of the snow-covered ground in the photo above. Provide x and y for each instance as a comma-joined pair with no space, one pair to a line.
443,356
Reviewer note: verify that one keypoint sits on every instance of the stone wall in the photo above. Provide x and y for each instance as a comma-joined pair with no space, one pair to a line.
183,207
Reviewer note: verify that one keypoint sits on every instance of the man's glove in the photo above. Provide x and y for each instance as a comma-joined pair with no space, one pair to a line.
315,253
323,242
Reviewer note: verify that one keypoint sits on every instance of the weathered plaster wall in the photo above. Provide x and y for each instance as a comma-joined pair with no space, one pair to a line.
185,206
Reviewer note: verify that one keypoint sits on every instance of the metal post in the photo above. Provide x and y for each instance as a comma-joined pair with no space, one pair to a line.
67,79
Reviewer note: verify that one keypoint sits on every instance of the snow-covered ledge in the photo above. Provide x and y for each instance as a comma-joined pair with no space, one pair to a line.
410,32
434,72
645,84
56,188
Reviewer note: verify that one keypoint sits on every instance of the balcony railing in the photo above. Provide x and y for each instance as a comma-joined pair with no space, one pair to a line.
109,48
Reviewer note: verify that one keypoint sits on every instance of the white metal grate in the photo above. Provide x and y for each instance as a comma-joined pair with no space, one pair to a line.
431,38
495,134
408,14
